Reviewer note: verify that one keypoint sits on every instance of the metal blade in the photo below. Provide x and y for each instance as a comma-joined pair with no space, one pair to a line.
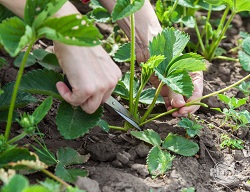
122,111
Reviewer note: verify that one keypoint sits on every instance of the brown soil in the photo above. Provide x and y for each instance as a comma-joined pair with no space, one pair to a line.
117,162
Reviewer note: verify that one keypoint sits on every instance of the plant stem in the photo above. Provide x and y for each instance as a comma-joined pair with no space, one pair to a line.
15,90
17,138
199,39
217,42
173,9
149,110
217,92
55,177
117,128
137,99
226,58
194,102
132,64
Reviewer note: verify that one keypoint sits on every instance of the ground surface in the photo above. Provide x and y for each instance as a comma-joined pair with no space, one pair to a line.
117,162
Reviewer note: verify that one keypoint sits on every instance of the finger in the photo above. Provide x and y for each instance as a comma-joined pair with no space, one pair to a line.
69,96
176,100
92,104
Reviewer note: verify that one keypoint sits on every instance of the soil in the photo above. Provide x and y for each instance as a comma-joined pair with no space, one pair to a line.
118,161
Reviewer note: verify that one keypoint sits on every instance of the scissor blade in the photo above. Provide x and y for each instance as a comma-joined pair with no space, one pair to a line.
122,111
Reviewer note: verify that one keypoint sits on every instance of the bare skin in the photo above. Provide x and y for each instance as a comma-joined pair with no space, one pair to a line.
92,73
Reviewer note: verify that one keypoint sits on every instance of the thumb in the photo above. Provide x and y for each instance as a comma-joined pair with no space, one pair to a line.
175,99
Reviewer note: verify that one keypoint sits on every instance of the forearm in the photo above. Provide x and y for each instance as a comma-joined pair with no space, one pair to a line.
17,7
146,23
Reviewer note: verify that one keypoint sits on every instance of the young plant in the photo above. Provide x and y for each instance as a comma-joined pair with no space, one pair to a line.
244,87
213,37
244,54
226,141
159,160
240,118
191,127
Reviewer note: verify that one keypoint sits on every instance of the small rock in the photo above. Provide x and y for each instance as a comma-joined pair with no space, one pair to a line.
142,150
87,184
247,185
140,169
123,157
238,155
132,154
117,163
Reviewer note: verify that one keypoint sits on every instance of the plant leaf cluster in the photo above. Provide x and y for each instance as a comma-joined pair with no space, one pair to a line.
226,141
241,118
191,127
159,160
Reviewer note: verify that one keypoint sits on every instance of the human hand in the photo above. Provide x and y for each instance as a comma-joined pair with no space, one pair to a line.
175,100
92,75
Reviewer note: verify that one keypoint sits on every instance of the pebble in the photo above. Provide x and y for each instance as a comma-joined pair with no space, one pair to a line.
123,157
140,169
87,184
142,150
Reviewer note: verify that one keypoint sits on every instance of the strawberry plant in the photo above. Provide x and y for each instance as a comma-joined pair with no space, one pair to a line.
16,34
240,118
226,141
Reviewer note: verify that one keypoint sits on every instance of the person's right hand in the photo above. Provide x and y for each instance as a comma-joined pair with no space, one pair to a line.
91,73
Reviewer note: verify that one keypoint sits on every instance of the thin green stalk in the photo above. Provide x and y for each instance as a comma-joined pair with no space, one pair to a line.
223,19
199,39
226,58
206,27
17,138
51,175
132,64
194,102
137,98
218,92
151,106
15,90
217,42
117,128
173,9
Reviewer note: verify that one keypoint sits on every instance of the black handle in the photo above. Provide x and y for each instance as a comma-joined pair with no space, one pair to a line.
66,81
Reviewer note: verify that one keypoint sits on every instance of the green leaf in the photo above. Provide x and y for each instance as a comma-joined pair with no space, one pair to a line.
147,97
244,87
170,43
73,122
40,56
42,110
34,9
36,188
100,14
244,56
179,81
122,87
244,60
190,62
123,53
13,155
15,35
149,66
72,29
31,60
159,10
242,5
17,183
149,136
224,98
41,82
191,127
3,62
158,161
104,125
5,13
22,99
51,185
66,157
180,145
124,8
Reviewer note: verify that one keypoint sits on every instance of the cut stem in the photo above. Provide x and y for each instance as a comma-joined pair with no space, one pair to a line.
17,138
51,175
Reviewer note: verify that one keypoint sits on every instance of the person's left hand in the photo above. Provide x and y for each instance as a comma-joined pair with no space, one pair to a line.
175,100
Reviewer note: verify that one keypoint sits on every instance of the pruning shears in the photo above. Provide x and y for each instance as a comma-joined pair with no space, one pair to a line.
116,106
